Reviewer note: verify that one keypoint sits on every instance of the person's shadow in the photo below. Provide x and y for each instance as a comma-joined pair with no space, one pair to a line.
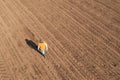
31,44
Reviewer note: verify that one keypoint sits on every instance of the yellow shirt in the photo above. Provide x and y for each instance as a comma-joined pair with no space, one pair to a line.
42,45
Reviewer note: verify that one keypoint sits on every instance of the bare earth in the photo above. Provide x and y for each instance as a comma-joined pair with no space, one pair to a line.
83,38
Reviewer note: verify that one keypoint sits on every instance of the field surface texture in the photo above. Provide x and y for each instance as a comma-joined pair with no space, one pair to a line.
83,37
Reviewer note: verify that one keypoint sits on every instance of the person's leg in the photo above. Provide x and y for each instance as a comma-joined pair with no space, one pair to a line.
43,52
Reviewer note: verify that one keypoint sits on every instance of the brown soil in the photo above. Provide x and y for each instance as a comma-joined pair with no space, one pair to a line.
83,38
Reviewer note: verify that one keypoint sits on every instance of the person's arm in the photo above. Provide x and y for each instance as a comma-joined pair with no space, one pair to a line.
38,47
46,47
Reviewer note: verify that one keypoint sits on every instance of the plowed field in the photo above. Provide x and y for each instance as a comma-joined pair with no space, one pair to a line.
83,38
